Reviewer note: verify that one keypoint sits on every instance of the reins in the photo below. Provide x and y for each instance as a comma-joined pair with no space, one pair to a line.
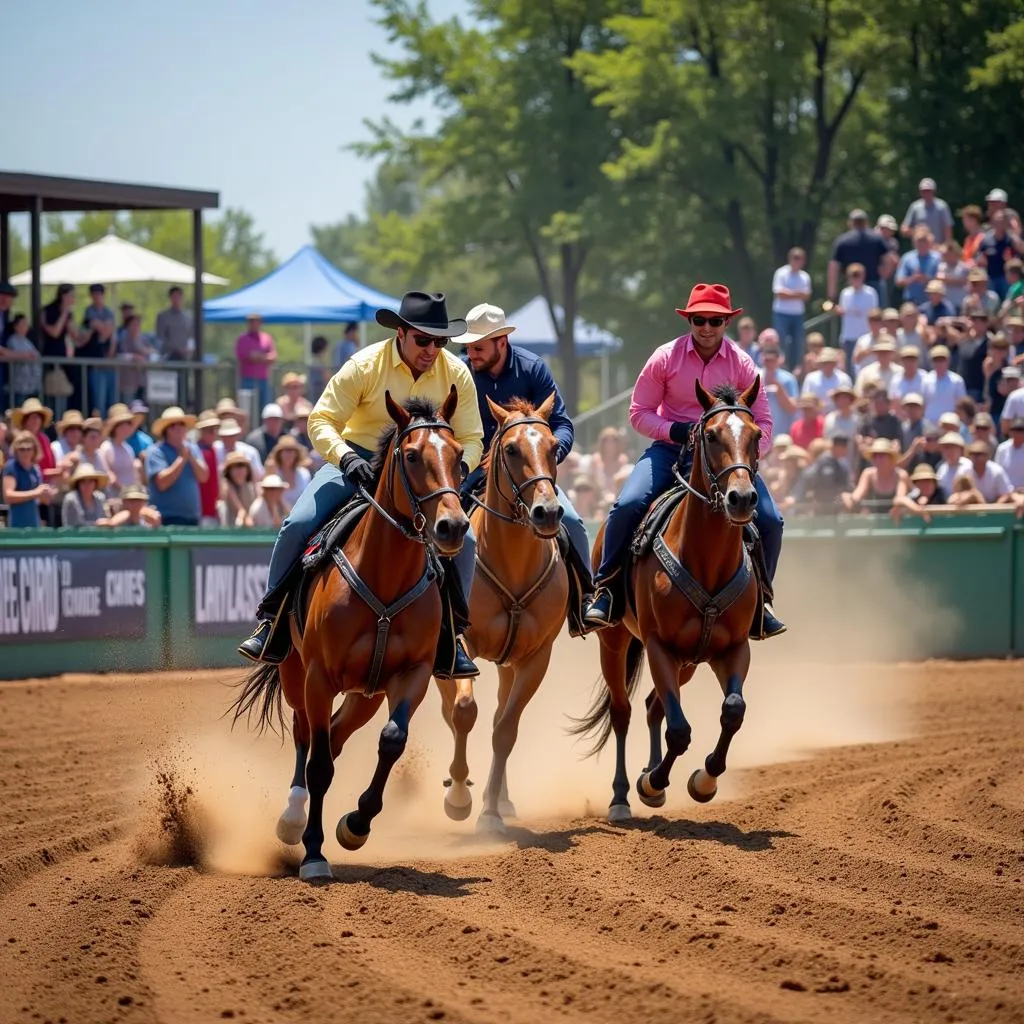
714,499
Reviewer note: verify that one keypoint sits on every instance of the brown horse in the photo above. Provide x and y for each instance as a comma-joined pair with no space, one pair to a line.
519,598
694,599
375,620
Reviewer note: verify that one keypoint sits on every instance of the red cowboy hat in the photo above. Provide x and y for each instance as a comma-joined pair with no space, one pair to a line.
709,298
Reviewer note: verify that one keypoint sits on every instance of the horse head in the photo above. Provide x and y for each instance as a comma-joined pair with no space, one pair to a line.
425,456
726,441
523,463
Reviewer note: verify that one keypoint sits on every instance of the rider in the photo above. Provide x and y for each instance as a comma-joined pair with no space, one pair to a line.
502,372
665,408
345,427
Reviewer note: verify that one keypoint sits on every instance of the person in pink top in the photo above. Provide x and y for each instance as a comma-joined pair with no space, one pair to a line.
665,409
256,354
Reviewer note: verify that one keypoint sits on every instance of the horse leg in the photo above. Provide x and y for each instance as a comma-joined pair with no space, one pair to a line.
460,711
526,678
616,643
319,698
292,822
506,677
355,711
405,693
668,678
655,716
731,670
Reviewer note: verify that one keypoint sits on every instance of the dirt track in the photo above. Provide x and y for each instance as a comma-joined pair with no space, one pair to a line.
871,882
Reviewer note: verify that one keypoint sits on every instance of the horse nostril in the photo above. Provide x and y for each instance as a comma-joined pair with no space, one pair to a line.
561,513
443,529
538,514
733,498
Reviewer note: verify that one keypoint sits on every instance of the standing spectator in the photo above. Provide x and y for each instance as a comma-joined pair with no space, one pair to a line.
134,509
887,228
85,503
127,310
953,463
228,443
992,367
936,304
1013,407
1013,325
791,287
972,350
294,386
8,293
62,384
174,332
910,379
781,388
746,338
139,440
35,417
269,509
842,420
914,425
265,436
970,217
135,350
117,458
347,347
207,427
98,342
999,245
22,356
942,389
917,267
987,476
881,421
826,378
174,468
979,295
1014,301
1010,454
237,491
858,245
953,271
912,331
855,302
256,354
881,374
862,351
998,201
291,463
810,425
319,371
930,211
24,490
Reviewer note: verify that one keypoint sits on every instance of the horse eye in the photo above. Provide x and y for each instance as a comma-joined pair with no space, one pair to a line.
510,449
412,455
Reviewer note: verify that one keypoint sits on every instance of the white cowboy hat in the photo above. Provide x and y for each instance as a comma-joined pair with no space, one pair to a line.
484,321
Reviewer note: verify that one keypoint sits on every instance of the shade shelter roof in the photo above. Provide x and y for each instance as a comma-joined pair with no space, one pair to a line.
534,331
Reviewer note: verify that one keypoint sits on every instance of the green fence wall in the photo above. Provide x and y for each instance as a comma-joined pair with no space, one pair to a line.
959,578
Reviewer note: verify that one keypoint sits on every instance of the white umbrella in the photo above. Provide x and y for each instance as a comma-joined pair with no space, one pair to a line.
113,260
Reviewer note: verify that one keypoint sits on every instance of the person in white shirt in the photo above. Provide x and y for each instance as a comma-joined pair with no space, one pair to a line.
826,378
941,388
842,421
879,376
910,379
1013,408
866,342
856,300
951,447
991,480
791,288
912,332
1010,454
228,441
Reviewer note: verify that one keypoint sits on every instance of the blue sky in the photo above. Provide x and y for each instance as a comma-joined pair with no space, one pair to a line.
238,97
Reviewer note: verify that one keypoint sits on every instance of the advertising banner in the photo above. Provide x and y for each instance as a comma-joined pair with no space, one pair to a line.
227,584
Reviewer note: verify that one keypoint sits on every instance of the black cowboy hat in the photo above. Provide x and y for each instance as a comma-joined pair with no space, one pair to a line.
426,313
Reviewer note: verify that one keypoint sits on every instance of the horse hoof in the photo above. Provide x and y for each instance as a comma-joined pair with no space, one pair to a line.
289,829
507,809
490,824
315,871
700,778
457,813
649,796
619,814
348,839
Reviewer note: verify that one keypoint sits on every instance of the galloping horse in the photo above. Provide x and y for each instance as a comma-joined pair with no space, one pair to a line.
694,597
519,598
371,629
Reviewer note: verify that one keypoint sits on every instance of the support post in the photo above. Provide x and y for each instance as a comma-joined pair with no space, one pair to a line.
197,303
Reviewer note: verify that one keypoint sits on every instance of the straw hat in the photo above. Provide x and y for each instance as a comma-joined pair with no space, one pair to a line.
227,407
272,482
828,355
843,389
781,441
133,492
83,471
794,453
287,443
229,428
172,414
116,415
72,418
92,423
980,448
29,406
924,472
207,418
24,438
910,352
952,438
884,343
293,378
235,459
301,409
882,446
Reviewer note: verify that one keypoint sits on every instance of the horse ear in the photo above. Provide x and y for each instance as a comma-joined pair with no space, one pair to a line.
500,415
396,412
750,395
451,403
706,399
547,407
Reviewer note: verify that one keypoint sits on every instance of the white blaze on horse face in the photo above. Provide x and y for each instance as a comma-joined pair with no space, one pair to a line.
533,435
439,444
735,424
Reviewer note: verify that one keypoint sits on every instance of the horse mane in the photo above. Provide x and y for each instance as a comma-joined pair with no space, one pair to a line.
419,409
519,405
728,394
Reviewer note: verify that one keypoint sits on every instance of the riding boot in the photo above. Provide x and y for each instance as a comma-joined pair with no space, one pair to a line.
581,585
604,607
270,641
451,660
770,624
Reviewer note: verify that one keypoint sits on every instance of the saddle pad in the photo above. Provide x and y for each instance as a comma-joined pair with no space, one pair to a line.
334,534
655,519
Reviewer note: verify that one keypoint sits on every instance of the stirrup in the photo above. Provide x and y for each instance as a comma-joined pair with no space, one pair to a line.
598,613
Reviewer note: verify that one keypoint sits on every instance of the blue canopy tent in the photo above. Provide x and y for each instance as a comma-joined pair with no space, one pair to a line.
304,289
535,332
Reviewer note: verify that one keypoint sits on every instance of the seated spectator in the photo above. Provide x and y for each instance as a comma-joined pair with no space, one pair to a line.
175,468
22,356
925,492
1010,454
116,455
862,354
822,484
35,417
965,410
964,493
134,509
910,378
139,440
85,504
881,421
936,304
793,459
567,470
881,484
294,386
983,428
269,510
228,410
291,463
880,374
24,489
913,425
823,380
69,436
913,331
811,423
585,498
953,463
842,420
207,427
229,441
265,436
300,431
942,388
237,491
88,450
987,476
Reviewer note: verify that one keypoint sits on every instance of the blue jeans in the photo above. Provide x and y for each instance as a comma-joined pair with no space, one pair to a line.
327,492
652,476
574,528
102,389
790,328
261,387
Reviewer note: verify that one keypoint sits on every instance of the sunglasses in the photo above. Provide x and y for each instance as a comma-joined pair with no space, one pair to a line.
711,321
426,340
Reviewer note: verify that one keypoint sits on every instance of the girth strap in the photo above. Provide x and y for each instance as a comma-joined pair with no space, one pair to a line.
384,613
710,606
517,605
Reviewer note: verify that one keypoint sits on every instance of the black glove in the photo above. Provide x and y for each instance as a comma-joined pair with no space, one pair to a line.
357,470
679,432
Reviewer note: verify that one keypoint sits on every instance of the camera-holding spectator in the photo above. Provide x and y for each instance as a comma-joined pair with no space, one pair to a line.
917,267
971,348
841,420
883,372
952,274
23,361
294,387
175,468
810,424
85,504
59,334
290,461
135,510
999,245
979,294
265,436
116,455
930,212
237,491
134,350
207,427
1010,454
256,354
923,451
881,484
953,461
229,441
24,489
887,227
910,378
986,476
942,388
780,386
856,301
826,378
269,509
791,288
98,341
936,304
860,245
924,493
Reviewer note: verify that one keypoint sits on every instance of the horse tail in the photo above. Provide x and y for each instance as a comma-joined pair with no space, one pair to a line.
260,696
598,720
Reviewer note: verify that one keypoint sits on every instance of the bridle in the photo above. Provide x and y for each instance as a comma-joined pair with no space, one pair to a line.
520,510
714,499
415,531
